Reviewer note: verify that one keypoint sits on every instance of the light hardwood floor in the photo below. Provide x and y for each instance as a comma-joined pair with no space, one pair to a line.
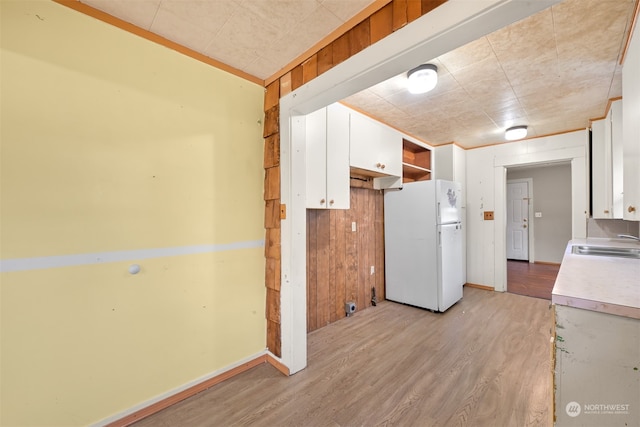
484,362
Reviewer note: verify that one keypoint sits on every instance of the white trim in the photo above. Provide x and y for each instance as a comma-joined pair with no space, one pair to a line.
447,27
540,157
57,261
177,390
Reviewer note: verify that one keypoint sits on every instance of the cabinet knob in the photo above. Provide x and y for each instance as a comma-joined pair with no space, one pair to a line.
631,209
606,211
378,165
322,201
383,165
331,201
524,226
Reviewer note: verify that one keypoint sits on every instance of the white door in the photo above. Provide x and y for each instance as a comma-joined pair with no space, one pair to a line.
518,220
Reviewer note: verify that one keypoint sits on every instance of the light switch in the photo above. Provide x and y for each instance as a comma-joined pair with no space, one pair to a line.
373,270
538,214
353,226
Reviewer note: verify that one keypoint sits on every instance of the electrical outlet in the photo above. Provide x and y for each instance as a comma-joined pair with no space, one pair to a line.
349,308
488,215
373,270
353,226
538,214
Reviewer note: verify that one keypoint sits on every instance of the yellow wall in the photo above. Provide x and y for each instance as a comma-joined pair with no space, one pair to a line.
112,143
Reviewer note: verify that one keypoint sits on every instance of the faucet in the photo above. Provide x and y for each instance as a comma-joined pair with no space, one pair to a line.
628,236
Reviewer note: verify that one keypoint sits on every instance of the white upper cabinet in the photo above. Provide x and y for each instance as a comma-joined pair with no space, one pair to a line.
631,129
338,189
607,164
450,164
601,188
617,159
327,154
375,150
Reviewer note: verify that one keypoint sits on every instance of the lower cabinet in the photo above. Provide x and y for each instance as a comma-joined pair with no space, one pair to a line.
597,368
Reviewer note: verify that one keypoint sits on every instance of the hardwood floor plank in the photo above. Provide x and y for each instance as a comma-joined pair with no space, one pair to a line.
484,362
531,279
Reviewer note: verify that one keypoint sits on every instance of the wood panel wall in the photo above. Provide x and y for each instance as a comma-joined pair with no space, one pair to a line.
272,220
339,259
391,17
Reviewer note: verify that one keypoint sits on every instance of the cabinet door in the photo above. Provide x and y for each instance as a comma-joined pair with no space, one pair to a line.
631,128
601,168
316,137
337,171
390,155
390,151
375,147
617,158
364,140
327,154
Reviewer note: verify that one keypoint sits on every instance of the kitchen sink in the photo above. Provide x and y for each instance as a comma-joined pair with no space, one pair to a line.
606,251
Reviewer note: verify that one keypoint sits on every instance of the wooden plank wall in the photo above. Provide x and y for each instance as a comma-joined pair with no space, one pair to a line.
272,250
389,18
339,259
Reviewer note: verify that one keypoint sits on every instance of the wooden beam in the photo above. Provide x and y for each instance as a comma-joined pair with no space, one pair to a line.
381,23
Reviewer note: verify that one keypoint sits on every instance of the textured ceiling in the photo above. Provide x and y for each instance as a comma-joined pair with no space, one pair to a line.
552,71
259,37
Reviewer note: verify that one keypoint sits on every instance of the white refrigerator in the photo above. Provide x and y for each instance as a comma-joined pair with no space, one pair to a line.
424,262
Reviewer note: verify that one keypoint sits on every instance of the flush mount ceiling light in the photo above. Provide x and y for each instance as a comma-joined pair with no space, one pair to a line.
423,78
515,132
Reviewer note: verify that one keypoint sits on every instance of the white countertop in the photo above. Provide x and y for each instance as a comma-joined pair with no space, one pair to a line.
599,283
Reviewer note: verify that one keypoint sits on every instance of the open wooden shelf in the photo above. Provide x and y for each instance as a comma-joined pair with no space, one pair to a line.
414,173
416,162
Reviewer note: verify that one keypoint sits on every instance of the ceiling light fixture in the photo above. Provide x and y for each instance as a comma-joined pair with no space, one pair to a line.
515,132
423,78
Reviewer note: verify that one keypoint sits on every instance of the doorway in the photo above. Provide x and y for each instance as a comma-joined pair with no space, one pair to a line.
533,266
